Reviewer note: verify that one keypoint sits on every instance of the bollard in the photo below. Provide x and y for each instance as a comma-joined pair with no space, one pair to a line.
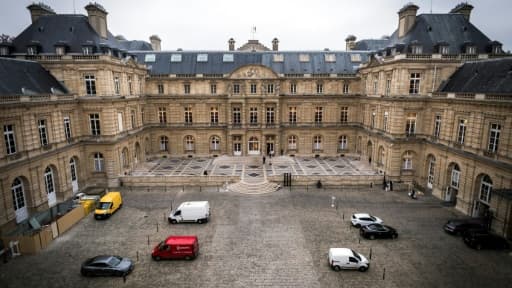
137,255
370,253
157,231
359,240
343,216
200,188
148,240
124,278
384,274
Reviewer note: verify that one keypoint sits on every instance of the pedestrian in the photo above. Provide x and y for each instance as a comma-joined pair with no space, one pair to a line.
390,185
264,159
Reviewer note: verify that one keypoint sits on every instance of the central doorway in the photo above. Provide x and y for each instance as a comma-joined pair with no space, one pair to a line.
254,146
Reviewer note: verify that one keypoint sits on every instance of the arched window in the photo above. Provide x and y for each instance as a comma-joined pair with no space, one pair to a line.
189,143
407,160
18,194
455,176
164,143
431,170
124,157
98,162
48,180
342,142
215,143
381,156
292,142
485,189
317,142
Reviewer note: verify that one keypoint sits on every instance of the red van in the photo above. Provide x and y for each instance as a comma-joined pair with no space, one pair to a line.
176,247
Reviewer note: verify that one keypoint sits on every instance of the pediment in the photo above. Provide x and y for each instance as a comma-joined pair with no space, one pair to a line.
253,72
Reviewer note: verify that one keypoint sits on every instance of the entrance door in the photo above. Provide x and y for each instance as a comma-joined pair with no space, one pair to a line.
18,196
254,146
270,148
237,145
74,178
50,187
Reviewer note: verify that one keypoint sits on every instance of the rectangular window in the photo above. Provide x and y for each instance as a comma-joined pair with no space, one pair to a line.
293,88
237,119
10,142
59,50
388,87
385,121
149,58
330,57
303,57
43,136
417,49
117,85
455,178
160,88
471,50
318,115
202,57
174,57
87,50
292,115
94,120
236,89
162,115
90,84
213,89
188,115
270,115
132,118
130,89
120,121
375,85
444,50
186,88
67,128
342,142
461,132
494,137
270,88
228,58
414,83
214,115
253,115
344,115
410,124
319,88
407,164
253,89
345,88
278,57
437,126
32,50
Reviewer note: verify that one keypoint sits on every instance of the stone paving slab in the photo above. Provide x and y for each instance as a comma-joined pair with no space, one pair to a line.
272,240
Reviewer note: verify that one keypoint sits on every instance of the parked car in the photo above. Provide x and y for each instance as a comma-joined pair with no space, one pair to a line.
361,219
192,211
345,258
107,265
176,247
373,231
108,205
479,240
459,226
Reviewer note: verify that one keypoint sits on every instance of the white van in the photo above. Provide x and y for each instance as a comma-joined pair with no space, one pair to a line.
193,211
345,258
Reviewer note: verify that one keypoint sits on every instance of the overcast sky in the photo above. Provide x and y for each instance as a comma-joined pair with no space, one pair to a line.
298,24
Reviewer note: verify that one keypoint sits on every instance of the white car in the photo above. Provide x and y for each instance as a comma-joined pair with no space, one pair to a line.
361,219
344,258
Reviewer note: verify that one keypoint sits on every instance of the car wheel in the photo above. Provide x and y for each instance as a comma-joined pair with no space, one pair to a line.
336,268
173,221
372,237
156,258
478,246
86,274
199,221
188,258
363,268
393,236
357,225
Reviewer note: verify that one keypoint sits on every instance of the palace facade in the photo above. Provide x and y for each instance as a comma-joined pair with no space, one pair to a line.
429,105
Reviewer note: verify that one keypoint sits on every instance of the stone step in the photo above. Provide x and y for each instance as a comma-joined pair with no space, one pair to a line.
254,188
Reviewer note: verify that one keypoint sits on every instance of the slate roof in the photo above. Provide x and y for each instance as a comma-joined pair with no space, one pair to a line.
490,76
70,29
371,44
21,77
216,65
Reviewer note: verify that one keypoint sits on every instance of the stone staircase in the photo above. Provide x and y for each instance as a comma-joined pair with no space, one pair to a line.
253,179
254,188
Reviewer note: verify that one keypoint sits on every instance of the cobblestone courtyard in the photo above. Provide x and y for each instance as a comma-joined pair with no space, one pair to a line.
273,240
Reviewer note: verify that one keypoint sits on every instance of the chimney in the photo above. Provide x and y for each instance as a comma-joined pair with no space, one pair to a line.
39,9
406,18
155,42
231,43
275,44
98,18
350,42
463,8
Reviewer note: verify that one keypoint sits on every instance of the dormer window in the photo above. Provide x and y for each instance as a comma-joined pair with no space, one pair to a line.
393,51
4,51
470,49
32,50
304,57
416,49
87,50
202,57
355,57
496,49
330,57
60,50
278,57
444,49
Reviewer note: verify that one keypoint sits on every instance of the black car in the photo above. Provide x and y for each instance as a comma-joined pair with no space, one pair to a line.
373,231
459,226
479,240
107,265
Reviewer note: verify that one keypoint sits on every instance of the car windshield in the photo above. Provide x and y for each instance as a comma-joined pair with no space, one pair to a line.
114,261
104,205
356,255
373,218
160,245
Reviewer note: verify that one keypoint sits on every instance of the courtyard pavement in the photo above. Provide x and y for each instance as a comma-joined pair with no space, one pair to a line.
279,239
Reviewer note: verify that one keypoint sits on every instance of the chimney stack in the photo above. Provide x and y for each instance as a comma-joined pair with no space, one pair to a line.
39,9
155,42
406,18
350,42
463,8
275,44
98,18
231,43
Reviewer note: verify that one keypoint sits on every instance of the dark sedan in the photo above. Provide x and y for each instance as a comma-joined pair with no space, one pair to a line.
479,240
373,231
459,226
107,265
